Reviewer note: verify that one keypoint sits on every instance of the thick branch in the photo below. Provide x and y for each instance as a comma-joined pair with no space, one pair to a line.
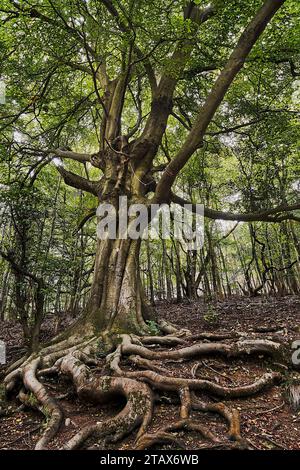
277,214
78,157
19,269
199,69
161,105
214,99
78,182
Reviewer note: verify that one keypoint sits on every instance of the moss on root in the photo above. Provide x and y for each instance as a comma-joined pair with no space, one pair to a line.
138,402
32,400
2,395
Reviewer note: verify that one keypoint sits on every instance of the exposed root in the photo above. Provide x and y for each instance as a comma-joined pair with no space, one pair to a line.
186,402
163,340
293,393
138,409
214,336
146,364
72,358
164,435
15,365
240,348
231,415
162,382
159,437
49,404
170,329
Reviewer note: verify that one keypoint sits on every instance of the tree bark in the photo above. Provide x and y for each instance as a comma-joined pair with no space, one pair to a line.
117,302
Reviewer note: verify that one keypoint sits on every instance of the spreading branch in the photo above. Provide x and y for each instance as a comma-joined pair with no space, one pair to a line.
206,113
78,182
276,214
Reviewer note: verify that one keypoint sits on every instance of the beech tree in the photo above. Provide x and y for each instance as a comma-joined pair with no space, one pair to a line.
92,86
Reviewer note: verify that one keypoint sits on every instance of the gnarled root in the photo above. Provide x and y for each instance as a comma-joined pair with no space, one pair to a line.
72,359
138,409
232,416
239,348
49,405
164,435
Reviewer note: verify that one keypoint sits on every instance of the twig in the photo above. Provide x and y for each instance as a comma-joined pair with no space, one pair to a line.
216,372
267,438
271,409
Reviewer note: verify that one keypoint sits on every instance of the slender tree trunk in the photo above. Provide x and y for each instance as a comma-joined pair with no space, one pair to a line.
178,272
149,269
166,271
3,294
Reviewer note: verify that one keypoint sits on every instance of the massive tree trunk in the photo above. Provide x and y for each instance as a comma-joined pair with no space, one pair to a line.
117,301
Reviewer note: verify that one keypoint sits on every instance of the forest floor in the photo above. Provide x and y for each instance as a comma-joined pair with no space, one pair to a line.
267,419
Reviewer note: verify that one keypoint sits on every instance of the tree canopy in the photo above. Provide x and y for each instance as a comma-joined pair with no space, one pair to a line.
59,61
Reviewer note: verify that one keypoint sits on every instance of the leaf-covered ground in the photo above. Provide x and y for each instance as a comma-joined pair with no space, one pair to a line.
268,421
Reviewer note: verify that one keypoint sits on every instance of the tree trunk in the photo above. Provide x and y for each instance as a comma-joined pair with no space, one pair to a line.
149,268
117,302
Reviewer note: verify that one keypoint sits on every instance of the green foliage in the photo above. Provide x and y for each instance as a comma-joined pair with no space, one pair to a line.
153,328
211,315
